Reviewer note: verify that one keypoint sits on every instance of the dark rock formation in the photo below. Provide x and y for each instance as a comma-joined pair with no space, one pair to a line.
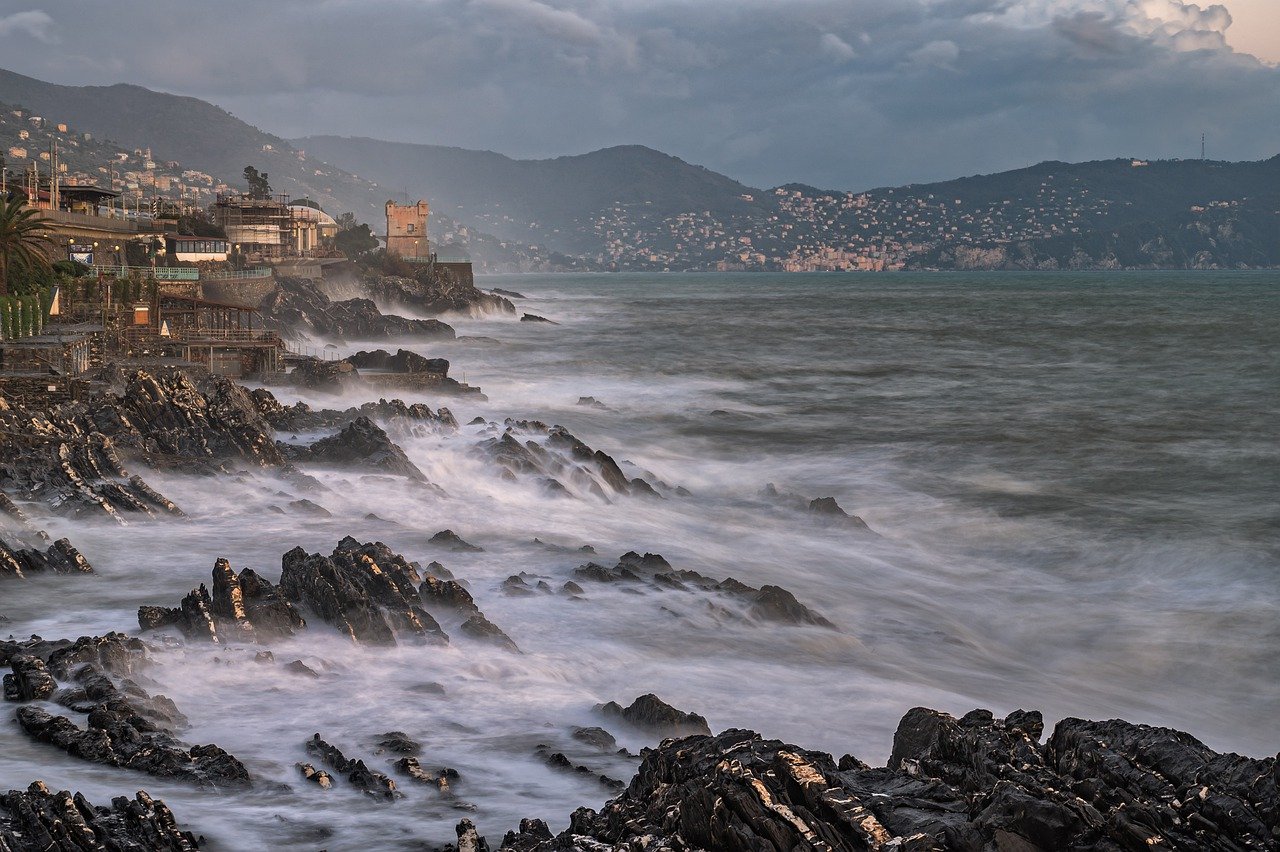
531,448
39,820
510,294
597,738
365,590
361,444
767,603
403,361
592,402
126,726
26,550
372,783
299,307
448,598
436,291
452,541
557,760
415,419
243,607
827,507
651,713
975,784
326,376
536,318
442,779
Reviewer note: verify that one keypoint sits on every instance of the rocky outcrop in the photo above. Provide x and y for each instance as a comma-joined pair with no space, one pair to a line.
328,376
650,713
975,784
563,463
822,510
403,361
449,600
40,820
360,444
417,419
71,456
765,604
436,291
368,781
243,607
26,550
125,726
365,590
299,307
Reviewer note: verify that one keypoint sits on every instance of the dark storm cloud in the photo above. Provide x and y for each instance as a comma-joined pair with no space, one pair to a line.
851,93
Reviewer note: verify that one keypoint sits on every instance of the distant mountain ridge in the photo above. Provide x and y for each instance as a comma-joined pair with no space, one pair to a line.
524,198
634,208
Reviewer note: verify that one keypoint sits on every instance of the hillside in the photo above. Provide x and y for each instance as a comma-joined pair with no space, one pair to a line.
538,199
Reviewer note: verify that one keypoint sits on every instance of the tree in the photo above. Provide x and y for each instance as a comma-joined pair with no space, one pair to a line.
346,221
356,241
25,244
258,185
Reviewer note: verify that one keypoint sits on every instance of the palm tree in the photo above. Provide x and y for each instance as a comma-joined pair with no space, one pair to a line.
24,239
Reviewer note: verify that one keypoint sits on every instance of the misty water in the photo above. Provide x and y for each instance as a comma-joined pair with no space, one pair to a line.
1072,480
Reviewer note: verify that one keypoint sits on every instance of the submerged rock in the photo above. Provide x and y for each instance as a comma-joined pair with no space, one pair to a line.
370,782
39,820
452,541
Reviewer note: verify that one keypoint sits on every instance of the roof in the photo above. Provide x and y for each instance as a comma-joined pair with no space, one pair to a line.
86,191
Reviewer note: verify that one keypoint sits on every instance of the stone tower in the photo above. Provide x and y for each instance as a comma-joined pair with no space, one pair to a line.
407,229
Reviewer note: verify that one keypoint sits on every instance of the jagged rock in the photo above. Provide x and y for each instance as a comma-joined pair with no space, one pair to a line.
113,739
442,779
358,775
399,742
316,776
479,627
403,361
532,834
327,376
299,307
773,603
30,680
415,419
437,290
592,402
451,540
597,738
363,444
300,668
975,784
310,507
510,294
828,507
366,591
39,820
536,318
651,713
557,760
243,607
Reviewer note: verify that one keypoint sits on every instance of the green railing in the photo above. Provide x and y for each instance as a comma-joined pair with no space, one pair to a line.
24,316
183,273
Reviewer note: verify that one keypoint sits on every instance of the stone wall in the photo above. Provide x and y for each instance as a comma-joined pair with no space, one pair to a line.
249,293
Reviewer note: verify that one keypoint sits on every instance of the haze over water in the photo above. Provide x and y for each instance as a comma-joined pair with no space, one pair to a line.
1073,481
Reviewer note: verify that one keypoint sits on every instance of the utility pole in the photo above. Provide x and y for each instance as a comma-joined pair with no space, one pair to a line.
1202,147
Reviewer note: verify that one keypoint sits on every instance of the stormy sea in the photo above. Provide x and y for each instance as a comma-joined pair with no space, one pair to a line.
1069,483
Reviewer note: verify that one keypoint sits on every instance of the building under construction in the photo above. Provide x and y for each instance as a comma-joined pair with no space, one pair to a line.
257,227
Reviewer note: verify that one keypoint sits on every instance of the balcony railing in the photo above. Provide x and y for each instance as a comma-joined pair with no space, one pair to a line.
183,273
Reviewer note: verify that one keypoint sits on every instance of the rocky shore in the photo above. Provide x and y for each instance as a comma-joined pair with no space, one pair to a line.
975,783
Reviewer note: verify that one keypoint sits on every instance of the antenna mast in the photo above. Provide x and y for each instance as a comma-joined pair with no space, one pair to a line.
1201,146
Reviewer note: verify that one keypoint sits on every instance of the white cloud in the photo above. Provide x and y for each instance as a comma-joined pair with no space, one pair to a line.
34,23
939,54
837,48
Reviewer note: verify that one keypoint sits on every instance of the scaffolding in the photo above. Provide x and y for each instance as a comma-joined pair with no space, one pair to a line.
258,227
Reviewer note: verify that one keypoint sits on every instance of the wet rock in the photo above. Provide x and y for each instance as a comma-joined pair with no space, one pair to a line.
116,739
531,448
364,590
592,402
651,713
481,628
310,508
327,376
442,779
374,784
316,776
39,820
536,318
452,541
773,603
399,742
827,507
557,760
435,291
297,667
516,586
30,679
26,550
300,308
361,444
243,607
403,361
597,738
417,419
510,294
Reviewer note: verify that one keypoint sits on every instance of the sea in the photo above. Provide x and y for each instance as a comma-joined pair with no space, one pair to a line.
1071,483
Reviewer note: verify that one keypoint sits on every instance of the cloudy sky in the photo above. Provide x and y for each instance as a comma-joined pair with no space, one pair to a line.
836,93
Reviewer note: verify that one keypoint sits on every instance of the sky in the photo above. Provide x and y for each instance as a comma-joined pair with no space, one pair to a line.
842,94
